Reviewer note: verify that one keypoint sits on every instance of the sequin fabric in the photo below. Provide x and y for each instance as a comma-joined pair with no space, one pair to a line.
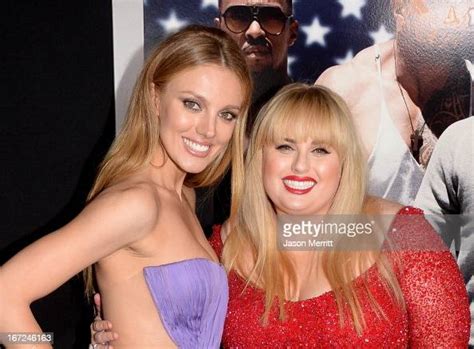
436,316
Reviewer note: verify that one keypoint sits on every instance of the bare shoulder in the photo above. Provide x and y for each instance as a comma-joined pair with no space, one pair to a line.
136,196
346,79
135,205
376,205
335,78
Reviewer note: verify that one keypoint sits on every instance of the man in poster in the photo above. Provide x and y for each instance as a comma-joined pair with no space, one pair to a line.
403,93
264,30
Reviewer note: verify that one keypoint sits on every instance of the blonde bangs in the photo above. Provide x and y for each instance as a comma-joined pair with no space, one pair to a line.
303,117
301,112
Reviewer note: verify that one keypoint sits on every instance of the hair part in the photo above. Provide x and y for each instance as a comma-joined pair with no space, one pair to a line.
300,112
139,138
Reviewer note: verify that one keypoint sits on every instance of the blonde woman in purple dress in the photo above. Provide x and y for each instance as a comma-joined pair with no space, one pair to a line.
156,271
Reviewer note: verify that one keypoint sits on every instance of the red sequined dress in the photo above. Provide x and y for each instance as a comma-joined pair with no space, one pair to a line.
436,316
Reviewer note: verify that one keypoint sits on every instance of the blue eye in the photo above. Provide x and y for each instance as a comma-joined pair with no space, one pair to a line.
191,105
228,116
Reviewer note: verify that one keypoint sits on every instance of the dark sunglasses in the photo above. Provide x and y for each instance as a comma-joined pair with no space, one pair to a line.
271,19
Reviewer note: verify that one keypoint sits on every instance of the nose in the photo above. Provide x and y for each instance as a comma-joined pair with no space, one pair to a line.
206,126
254,31
300,163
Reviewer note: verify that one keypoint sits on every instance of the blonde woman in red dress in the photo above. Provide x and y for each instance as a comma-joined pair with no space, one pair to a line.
304,158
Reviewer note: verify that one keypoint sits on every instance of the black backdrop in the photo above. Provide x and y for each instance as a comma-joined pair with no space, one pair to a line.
56,123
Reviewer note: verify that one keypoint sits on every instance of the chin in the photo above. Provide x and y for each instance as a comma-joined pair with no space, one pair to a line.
193,168
258,67
196,165
304,210
294,211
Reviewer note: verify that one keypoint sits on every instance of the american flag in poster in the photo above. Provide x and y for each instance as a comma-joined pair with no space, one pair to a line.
330,32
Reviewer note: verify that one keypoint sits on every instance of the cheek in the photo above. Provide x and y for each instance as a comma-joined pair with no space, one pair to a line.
334,171
176,123
269,165
225,133
266,172
279,44
330,169
272,189
272,171
238,38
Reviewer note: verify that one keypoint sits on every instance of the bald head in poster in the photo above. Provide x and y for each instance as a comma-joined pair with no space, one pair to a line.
433,37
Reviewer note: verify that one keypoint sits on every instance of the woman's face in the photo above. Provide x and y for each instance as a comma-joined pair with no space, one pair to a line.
301,178
197,110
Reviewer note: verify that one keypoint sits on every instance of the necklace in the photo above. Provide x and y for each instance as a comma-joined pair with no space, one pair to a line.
416,137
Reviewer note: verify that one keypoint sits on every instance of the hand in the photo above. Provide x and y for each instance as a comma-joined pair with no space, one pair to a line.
101,330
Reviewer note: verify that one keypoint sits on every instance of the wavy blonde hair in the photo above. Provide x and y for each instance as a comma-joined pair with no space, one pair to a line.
139,138
300,112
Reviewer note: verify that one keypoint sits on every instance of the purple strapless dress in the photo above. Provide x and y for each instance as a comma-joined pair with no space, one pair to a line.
191,297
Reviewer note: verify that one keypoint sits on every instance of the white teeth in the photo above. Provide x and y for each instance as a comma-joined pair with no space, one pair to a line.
300,185
195,146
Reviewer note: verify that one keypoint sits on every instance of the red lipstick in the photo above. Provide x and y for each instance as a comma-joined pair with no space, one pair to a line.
297,190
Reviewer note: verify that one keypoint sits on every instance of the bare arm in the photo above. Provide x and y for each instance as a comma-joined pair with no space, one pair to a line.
112,221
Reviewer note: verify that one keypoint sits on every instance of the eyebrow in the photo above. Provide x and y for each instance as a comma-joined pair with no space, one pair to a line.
205,101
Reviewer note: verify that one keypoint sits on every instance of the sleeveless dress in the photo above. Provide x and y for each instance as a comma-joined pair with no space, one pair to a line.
394,174
436,316
191,297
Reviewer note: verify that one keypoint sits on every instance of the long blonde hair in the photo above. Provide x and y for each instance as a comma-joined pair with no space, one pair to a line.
139,138
300,112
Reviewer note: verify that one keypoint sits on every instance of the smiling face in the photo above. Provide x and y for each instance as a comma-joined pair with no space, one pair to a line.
301,178
197,119
262,51
304,155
